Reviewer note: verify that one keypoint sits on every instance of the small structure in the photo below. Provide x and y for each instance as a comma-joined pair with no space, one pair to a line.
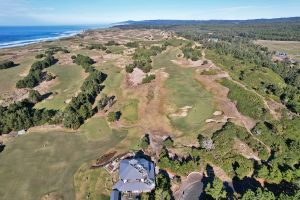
281,54
115,195
137,175
21,132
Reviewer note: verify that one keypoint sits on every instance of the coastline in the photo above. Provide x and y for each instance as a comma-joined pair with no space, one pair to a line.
62,35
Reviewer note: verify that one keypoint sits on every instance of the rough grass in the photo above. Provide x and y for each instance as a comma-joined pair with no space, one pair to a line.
210,72
70,79
38,163
9,77
116,49
92,184
184,90
130,111
248,103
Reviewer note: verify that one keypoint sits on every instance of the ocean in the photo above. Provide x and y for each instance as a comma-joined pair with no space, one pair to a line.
20,36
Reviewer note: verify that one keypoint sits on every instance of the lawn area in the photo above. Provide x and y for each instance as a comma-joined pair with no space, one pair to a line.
41,162
184,90
248,103
292,48
70,79
9,77
130,111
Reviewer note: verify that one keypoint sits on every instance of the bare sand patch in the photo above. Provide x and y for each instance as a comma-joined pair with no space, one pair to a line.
64,58
44,86
182,112
14,96
136,77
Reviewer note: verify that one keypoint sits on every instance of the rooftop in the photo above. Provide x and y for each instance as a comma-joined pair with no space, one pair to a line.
136,175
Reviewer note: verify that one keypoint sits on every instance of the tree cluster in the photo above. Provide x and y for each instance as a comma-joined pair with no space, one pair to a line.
81,107
142,58
7,64
22,115
190,52
260,58
114,116
85,62
97,46
36,75
283,139
162,189
106,101
183,166
52,50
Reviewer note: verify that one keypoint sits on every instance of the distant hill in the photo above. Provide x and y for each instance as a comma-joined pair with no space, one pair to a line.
204,22
287,29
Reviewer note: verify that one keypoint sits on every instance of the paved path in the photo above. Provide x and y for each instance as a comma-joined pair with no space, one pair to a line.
191,188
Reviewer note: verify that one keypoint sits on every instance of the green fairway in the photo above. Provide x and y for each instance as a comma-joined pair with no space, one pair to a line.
70,79
38,163
96,128
184,90
164,59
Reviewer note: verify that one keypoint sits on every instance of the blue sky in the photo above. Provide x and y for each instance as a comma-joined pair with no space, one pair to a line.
64,12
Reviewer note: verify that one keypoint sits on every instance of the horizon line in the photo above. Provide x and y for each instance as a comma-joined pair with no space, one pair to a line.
131,20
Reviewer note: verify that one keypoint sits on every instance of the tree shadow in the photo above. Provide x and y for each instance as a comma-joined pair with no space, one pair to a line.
46,96
207,179
282,188
2,146
242,185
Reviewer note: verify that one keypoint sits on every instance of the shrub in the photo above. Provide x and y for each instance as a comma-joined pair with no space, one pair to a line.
108,51
129,68
97,46
34,96
113,116
148,78
39,56
168,142
49,77
145,141
132,45
112,43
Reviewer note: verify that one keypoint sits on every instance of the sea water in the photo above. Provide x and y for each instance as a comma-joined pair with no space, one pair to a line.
23,35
